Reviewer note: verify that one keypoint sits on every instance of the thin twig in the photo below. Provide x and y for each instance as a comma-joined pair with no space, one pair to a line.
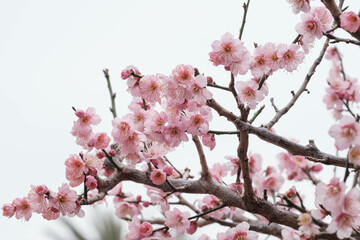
335,39
112,95
167,160
218,86
112,160
205,174
246,7
301,89
256,114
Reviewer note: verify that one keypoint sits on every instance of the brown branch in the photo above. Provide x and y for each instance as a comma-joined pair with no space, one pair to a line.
344,40
336,12
246,7
205,174
302,89
218,86
310,152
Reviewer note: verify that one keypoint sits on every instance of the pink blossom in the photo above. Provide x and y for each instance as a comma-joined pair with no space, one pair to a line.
346,133
50,213
155,121
324,16
121,129
174,134
261,64
241,231
134,227
101,140
146,229
248,93
204,237
273,182
93,163
350,21
275,61
193,227
314,23
157,176
227,50
64,200
354,155
197,123
178,220
219,171
133,143
75,168
290,56
91,182
242,65
23,208
331,194
208,139
151,88
199,91
332,100
8,210
132,81
306,225
300,5
124,209
36,198
290,234
184,74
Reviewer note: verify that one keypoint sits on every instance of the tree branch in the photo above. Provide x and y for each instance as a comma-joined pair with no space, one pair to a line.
302,89
205,174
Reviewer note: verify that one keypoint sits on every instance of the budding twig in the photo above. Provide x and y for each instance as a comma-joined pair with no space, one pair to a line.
112,95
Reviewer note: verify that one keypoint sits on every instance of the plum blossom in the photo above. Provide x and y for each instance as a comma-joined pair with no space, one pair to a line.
184,74
331,194
178,220
350,21
354,155
300,5
248,93
151,88
314,23
157,176
241,231
290,56
8,210
208,139
227,50
261,64
198,90
306,225
346,133
64,200
23,208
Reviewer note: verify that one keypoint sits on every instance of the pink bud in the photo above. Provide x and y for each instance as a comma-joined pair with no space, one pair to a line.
290,193
168,170
91,182
317,167
193,227
126,73
138,198
146,229
80,113
92,171
146,203
100,155
210,80
41,189
155,162
112,152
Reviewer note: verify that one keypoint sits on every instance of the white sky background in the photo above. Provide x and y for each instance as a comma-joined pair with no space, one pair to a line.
51,58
